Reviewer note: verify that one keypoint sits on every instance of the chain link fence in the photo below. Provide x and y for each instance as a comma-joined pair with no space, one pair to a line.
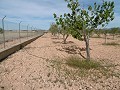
12,33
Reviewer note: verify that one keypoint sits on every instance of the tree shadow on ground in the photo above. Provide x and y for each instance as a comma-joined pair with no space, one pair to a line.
57,42
73,49
29,47
54,38
61,42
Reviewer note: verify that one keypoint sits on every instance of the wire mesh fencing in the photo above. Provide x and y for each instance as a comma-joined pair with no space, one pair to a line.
12,33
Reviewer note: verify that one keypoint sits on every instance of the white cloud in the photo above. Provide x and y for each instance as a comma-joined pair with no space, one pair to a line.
31,10
39,13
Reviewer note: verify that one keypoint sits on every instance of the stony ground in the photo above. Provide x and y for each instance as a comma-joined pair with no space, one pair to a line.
40,66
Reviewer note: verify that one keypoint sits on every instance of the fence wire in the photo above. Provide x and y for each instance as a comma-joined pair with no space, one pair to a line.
15,33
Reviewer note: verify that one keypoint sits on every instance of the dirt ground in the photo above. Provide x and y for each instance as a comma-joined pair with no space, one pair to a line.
34,67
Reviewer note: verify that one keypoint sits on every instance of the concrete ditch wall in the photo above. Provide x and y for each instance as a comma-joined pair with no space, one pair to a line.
6,52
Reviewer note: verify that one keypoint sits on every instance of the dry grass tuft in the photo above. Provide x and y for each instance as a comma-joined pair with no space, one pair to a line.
81,63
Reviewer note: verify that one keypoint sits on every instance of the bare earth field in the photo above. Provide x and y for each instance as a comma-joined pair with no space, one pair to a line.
41,66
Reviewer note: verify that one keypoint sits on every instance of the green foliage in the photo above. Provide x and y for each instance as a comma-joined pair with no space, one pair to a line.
97,31
1,30
102,14
63,31
63,23
118,32
54,29
76,35
65,26
81,19
114,30
105,32
80,22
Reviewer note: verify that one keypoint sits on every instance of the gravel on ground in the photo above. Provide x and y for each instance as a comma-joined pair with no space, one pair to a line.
34,67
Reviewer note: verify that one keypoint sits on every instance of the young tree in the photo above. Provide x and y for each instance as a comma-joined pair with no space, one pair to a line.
105,32
83,21
113,31
64,33
98,32
53,29
64,23
118,32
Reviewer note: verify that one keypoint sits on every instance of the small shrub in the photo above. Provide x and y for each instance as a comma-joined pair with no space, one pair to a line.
82,64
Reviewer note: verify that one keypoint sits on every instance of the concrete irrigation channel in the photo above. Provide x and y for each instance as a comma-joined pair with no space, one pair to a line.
4,53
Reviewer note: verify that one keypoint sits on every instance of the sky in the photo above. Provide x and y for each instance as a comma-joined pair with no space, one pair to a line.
39,13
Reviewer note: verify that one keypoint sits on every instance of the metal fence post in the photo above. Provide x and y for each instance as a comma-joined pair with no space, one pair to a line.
34,32
27,30
19,31
3,30
31,30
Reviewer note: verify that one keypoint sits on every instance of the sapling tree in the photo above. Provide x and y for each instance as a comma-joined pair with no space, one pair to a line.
105,32
118,32
81,21
63,22
98,32
113,31
53,29
64,33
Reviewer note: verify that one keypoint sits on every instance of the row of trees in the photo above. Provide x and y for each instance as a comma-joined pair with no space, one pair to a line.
112,31
107,32
81,22
55,29
101,33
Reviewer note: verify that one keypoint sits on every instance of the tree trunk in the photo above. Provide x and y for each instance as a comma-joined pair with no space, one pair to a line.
65,38
86,38
105,38
98,35
58,35
113,36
